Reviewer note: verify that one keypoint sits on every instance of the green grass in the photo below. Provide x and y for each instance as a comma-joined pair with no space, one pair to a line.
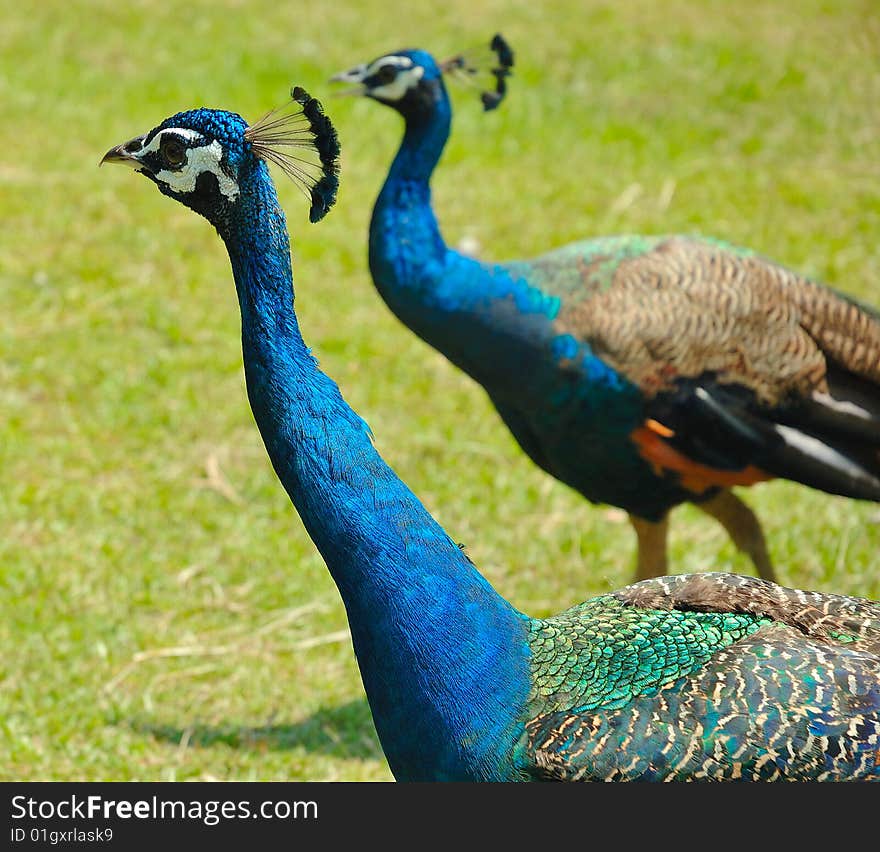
163,613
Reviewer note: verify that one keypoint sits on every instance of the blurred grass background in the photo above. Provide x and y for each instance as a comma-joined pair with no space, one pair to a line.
162,612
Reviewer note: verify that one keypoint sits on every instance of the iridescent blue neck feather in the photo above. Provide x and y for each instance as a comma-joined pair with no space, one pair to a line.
467,309
427,629
497,323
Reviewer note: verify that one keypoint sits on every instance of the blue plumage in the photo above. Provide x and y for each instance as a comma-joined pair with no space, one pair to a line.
686,677
603,356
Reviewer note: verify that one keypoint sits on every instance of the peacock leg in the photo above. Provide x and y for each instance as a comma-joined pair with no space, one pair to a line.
743,527
651,547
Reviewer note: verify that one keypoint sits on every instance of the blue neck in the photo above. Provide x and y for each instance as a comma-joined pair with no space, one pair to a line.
407,188
441,654
477,314
424,138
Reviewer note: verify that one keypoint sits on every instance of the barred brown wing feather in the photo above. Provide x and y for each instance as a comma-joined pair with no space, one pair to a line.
745,362
688,307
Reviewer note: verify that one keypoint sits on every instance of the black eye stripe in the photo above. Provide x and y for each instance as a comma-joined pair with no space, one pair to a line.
387,72
170,154
153,161
383,75
173,151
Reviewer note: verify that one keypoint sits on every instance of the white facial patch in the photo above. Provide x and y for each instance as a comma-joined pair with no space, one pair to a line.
182,132
202,158
407,78
401,84
391,59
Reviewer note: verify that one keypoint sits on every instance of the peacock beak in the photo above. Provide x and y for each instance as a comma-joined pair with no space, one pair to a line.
125,154
354,75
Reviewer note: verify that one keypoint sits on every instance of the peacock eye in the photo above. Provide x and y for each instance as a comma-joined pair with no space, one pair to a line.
386,74
173,151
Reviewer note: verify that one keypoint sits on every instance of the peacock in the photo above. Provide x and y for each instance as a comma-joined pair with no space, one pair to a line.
641,371
711,676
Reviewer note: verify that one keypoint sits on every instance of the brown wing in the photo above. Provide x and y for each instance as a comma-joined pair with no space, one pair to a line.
743,364
685,308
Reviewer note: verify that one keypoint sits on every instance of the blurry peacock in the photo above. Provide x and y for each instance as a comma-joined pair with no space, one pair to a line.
641,371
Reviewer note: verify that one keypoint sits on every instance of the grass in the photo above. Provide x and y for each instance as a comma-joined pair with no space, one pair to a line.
164,613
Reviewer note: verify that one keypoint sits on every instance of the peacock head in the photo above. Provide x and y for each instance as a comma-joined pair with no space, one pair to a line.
205,157
411,81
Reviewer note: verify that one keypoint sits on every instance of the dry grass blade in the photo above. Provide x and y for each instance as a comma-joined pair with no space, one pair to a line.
240,646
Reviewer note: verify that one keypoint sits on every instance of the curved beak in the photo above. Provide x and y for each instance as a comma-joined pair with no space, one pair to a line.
125,154
354,75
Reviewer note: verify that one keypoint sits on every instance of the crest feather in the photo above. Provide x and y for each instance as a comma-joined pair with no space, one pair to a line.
300,139
487,68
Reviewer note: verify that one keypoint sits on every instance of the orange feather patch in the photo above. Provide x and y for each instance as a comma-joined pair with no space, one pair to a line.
652,446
